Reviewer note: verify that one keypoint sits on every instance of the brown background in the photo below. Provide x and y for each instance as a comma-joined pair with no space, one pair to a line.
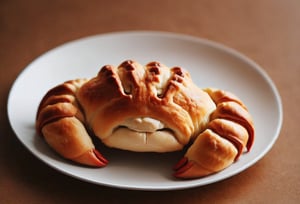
268,31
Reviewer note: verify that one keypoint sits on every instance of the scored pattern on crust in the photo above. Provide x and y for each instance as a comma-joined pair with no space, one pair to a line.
60,102
146,108
153,90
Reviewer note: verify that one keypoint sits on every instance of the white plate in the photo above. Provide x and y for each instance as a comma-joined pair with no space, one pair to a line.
211,65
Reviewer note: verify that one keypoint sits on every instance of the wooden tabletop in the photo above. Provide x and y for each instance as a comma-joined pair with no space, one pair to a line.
267,31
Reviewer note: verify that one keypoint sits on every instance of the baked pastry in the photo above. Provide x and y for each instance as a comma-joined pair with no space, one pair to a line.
151,108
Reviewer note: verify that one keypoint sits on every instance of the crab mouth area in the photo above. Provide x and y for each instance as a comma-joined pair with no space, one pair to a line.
143,134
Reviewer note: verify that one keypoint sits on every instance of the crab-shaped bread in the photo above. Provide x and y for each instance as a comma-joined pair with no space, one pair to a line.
149,108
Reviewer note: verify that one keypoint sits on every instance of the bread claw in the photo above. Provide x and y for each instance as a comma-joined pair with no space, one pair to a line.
208,154
188,169
59,120
229,132
91,158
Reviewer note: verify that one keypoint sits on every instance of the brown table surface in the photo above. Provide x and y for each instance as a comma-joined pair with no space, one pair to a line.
267,31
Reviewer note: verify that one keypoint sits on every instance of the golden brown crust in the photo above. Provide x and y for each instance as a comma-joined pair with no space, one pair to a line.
132,90
59,102
220,96
60,121
231,131
230,107
234,112
211,153
68,137
146,108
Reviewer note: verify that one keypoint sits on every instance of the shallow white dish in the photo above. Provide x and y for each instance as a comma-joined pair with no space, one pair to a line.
211,65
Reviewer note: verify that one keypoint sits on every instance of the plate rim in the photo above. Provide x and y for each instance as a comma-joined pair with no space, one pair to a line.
178,36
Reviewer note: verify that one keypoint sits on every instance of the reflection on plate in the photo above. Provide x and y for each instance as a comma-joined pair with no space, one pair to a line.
211,65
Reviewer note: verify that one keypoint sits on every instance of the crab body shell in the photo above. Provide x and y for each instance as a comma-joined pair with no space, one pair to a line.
149,108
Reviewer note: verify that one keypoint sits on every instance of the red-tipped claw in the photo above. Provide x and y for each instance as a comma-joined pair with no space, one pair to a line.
189,169
91,158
